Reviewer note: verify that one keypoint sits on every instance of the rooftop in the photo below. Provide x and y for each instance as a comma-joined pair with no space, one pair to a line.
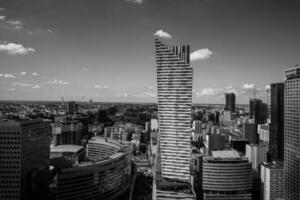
66,148
226,154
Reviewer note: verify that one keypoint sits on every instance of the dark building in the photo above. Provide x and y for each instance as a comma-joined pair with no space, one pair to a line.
24,159
291,133
276,143
258,111
239,144
250,132
230,101
72,107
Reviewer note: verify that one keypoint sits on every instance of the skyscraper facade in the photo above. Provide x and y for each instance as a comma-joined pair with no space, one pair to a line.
24,159
276,141
258,111
292,133
230,102
174,87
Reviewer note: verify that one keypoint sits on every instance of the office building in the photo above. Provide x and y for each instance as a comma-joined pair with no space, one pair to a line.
264,133
218,171
256,154
197,126
239,144
66,132
277,122
272,181
174,88
291,133
230,102
258,111
214,142
72,107
250,132
24,159
154,124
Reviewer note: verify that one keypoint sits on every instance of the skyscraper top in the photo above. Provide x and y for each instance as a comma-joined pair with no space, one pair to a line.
293,72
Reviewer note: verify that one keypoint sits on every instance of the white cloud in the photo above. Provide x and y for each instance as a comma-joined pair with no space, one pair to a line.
100,87
267,87
36,87
2,17
249,86
1,9
84,69
1,75
151,87
8,76
209,92
11,89
200,54
21,84
23,73
57,82
14,49
136,1
162,34
145,95
35,74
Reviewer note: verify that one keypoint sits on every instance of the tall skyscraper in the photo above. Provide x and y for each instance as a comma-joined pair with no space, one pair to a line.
250,132
230,102
24,159
292,133
258,111
276,141
174,87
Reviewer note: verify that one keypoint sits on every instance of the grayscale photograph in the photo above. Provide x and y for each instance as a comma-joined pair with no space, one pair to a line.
149,100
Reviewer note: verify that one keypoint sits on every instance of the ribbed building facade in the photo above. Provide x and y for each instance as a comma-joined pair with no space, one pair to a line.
292,133
106,175
174,87
226,179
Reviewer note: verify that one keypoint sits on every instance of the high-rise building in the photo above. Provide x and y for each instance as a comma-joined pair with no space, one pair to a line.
230,102
258,111
276,140
226,175
174,88
72,107
256,154
272,179
24,159
250,132
214,142
292,133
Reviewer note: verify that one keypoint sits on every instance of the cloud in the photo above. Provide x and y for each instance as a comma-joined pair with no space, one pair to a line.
8,76
57,82
21,84
209,92
1,9
23,73
100,87
15,23
200,54
2,17
84,69
151,87
35,74
249,86
162,34
229,89
136,1
145,95
267,87
11,89
14,49
36,87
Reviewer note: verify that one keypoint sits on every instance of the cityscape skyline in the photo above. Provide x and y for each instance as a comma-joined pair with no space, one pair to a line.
102,51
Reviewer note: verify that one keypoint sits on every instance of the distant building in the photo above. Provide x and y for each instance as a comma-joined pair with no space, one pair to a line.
24,159
215,142
230,102
154,124
239,144
72,107
227,116
258,111
197,126
264,133
250,132
217,176
272,179
66,133
277,122
291,133
256,154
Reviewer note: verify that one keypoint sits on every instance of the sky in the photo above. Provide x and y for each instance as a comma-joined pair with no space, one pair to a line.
104,50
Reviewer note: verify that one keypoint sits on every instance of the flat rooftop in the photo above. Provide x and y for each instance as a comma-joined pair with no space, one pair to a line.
66,148
226,154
